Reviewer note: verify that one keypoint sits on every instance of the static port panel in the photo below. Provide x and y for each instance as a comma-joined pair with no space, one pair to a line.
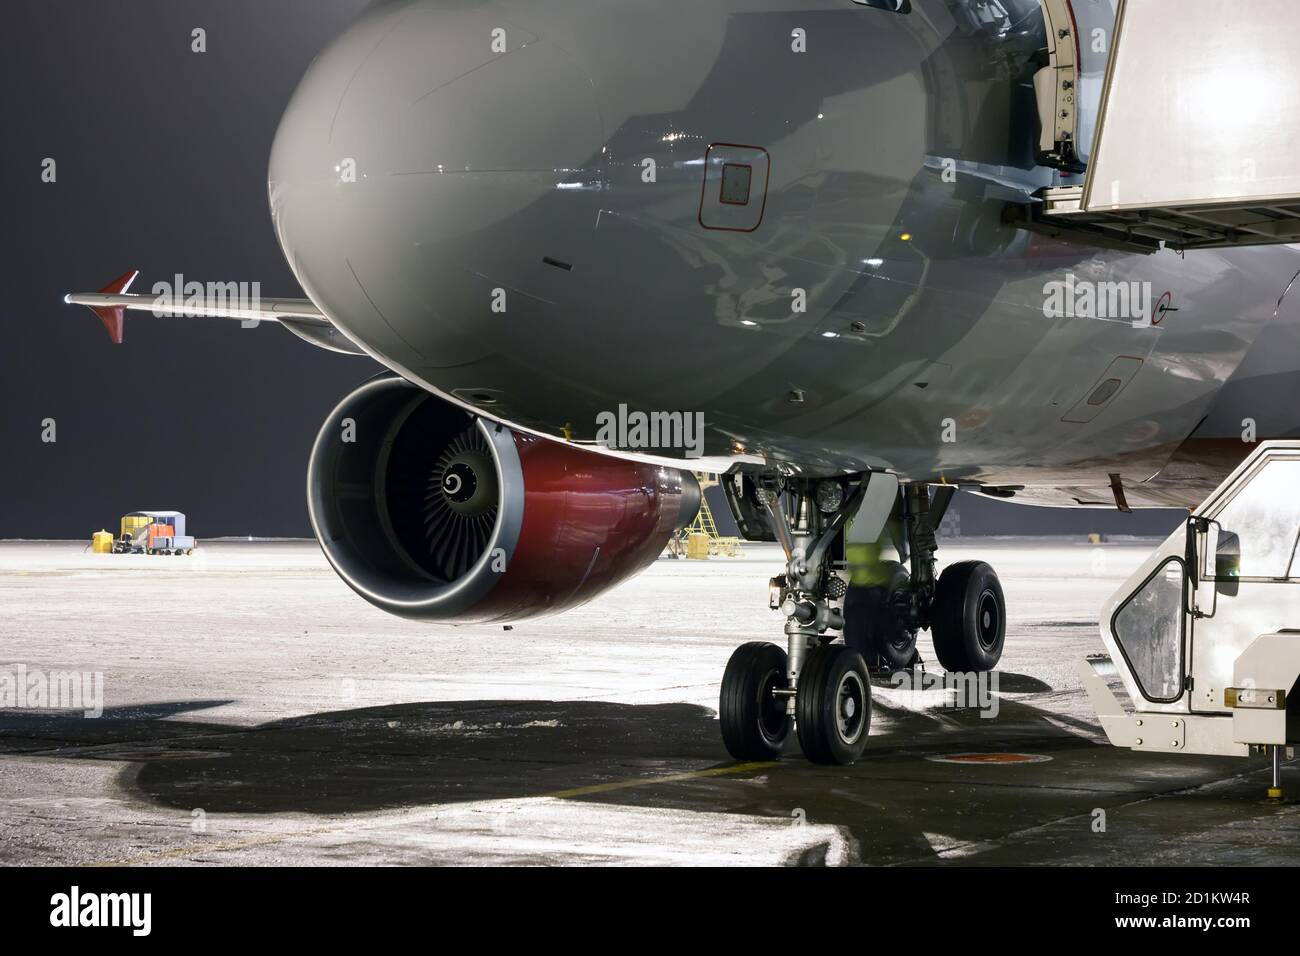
735,187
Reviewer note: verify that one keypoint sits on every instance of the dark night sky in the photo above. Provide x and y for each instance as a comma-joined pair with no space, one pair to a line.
162,157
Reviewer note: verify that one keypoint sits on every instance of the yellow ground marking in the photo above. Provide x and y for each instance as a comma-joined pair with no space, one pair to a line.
654,781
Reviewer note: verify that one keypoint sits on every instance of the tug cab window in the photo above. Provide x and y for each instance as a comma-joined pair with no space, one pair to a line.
1149,630
1260,526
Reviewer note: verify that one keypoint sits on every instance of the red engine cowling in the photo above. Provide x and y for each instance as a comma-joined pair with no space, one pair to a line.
432,513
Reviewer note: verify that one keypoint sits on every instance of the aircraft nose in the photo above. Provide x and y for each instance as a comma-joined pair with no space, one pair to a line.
421,151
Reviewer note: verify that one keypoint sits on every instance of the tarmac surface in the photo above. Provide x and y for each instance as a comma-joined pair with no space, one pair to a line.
257,712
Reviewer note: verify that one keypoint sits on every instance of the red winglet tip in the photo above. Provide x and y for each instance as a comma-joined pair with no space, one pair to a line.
114,320
121,284
114,317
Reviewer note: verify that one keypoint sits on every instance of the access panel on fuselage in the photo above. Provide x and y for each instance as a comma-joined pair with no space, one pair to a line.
734,195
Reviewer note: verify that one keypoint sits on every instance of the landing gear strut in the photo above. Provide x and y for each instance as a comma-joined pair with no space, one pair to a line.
826,689
823,688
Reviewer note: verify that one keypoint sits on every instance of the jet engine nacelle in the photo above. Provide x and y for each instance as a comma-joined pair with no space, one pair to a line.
432,513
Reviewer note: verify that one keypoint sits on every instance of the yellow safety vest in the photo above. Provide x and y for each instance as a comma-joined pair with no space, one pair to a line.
866,566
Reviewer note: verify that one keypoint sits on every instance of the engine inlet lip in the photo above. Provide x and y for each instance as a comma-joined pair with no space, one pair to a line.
447,600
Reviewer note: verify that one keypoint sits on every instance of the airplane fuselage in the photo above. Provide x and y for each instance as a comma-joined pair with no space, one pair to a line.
789,217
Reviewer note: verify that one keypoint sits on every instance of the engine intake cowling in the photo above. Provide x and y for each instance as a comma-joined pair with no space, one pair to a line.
432,513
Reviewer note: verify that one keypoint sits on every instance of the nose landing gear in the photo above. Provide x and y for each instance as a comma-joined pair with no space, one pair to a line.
830,705
826,690
823,688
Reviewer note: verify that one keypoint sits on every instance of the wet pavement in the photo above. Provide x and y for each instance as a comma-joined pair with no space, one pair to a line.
257,712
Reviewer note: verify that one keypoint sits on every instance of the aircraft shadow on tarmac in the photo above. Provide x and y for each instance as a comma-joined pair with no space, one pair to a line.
421,754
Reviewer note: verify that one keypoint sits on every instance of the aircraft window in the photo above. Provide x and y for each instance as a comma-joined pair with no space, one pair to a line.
1149,630
1261,522
893,6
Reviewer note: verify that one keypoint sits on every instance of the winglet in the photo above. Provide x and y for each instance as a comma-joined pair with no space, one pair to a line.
114,317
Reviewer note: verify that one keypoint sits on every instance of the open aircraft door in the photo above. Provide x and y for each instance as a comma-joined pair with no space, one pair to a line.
1205,635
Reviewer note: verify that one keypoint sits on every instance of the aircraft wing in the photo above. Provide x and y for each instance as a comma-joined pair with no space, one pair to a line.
299,316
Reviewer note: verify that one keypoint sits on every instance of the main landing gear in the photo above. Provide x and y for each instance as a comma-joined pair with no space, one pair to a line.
821,688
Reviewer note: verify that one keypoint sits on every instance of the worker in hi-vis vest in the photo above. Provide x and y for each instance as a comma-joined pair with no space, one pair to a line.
871,574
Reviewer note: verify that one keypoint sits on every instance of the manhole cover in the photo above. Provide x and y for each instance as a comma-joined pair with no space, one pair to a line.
990,758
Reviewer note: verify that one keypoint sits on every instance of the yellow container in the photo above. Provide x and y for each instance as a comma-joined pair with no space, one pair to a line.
101,542
697,546
132,523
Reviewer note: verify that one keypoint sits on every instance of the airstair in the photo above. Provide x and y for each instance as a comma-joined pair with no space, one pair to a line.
1197,131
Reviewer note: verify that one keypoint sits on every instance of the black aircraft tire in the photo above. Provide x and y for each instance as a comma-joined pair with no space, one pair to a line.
754,722
873,628
969,619
833,705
